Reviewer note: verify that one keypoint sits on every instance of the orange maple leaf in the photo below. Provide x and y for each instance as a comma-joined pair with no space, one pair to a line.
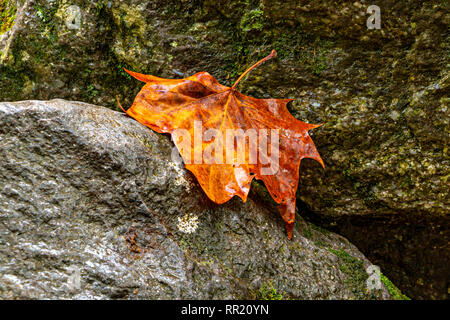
202,108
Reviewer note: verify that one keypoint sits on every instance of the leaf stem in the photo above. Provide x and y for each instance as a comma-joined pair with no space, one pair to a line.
270,56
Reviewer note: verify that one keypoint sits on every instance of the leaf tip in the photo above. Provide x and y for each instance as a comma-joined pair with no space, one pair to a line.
289,229
322,163
118,102
313,126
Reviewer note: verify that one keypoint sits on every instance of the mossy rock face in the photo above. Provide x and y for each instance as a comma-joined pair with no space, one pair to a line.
379,93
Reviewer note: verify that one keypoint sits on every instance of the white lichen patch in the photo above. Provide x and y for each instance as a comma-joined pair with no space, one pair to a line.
188,223
178,165
73,17
394,115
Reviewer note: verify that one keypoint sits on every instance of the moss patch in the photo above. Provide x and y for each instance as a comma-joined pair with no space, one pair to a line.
267,292
7,15
354,269
395,293
252,20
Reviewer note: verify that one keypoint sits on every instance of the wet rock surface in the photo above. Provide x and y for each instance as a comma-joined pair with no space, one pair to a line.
92,206
381,95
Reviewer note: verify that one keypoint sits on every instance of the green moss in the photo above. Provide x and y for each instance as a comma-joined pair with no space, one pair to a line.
319,64
122,79
11,83
320,229
267,292
355,271
287,44
307,233
7,15
184,245
91,92
395,293
45,14
120,68
219,225
252,20
99,6
320,244
49,20
315,55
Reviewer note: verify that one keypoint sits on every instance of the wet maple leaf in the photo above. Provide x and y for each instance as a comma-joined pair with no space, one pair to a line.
171,105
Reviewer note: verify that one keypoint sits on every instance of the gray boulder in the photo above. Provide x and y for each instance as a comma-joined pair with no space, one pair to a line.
93,207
